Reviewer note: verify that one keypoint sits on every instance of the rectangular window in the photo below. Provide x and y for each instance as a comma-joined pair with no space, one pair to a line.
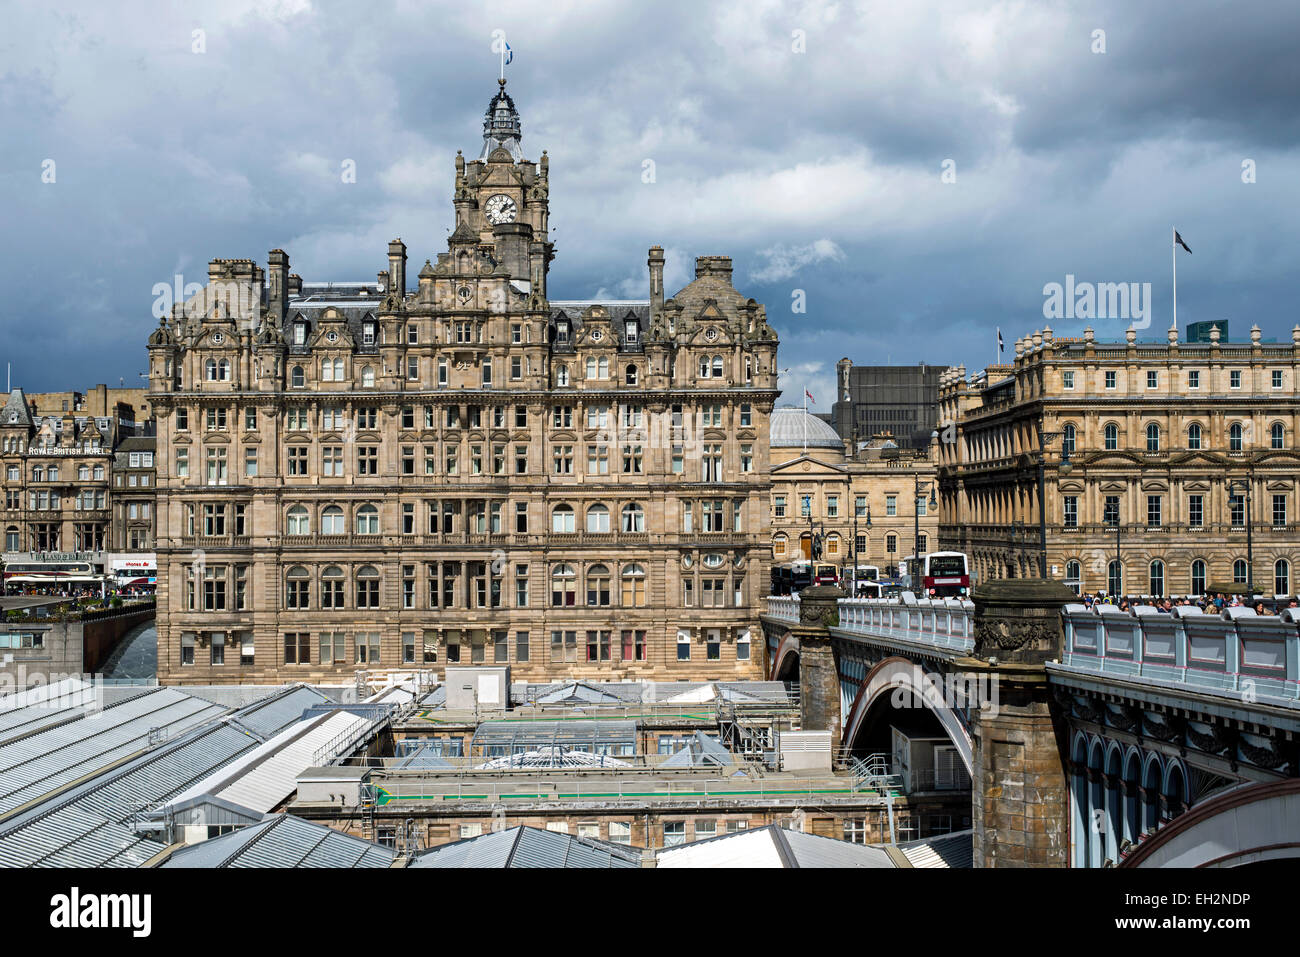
1153,379
1193,379
1237,510
521,646
1153,511
250,463
297,459
683,646
1071,511
1234,379
1196,511
778,506
891,505
182,463
1279,511
1067,380
1277,378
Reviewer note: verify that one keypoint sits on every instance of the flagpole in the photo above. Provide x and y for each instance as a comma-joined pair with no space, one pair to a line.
805,421
1173,251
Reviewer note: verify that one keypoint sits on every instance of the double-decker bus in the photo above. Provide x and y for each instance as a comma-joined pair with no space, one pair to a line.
945,575
825,574
50,574
858,577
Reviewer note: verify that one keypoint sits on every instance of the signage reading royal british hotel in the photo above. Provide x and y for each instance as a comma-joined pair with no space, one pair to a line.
370,476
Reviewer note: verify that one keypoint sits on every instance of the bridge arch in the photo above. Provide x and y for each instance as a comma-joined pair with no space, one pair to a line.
1243,825
785,665
896,673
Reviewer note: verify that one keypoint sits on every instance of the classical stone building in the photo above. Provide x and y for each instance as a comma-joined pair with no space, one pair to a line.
1171,445
359,476
59,471
864,505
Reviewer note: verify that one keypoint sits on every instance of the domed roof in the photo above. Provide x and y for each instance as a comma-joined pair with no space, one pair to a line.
787,430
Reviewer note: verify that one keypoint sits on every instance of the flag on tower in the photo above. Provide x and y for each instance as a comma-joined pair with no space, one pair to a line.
510,54
999,328
810,396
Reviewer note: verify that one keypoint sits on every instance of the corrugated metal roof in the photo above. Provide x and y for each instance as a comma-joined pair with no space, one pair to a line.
283,840
528,847
948,850
269,716
23,712
91,825
773,846
42,763
265,776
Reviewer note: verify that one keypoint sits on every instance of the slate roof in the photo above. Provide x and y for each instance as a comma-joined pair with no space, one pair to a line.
16,405
528,847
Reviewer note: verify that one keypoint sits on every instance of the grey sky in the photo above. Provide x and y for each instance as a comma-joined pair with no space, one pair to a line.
817,171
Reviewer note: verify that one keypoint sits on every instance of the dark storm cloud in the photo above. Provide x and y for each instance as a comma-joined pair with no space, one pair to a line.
818,171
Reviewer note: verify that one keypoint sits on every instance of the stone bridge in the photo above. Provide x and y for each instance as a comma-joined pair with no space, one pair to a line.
1091,736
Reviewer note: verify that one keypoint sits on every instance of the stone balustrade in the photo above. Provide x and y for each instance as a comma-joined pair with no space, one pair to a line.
1248,656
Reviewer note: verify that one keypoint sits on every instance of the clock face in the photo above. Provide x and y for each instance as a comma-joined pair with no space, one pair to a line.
501,209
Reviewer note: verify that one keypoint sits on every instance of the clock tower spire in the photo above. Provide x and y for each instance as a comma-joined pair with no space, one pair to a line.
501,126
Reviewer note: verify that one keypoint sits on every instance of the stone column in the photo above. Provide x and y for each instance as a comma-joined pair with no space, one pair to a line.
1020,788
819,680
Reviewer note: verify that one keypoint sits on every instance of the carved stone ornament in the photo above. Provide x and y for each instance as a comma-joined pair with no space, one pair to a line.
1008,636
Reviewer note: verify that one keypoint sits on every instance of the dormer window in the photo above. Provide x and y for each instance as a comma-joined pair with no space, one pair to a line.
368,334
630,330
561,332
300,333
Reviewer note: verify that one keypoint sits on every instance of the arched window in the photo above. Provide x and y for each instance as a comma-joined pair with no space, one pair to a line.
1281,578
1112,436
1239,571
296,588
1074,575
331,587
562,519
1194,436
598,519
633,586
891,543
1115,578
1277,435
562,374
704,367
223,370
83,473
1156,579
563,586
299,521
778,546
367,520
1198,577
1067,439
1234,437
717,367
633,518
598,585
833,546
630,377
367,377
1153,438
11,538
210,370
296,378
331,521
367,587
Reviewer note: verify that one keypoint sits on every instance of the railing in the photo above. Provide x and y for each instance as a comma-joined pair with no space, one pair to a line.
784,607
1236,653
934,779
944,623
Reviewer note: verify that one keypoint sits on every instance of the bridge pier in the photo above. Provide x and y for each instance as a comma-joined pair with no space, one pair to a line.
1019,786
819,679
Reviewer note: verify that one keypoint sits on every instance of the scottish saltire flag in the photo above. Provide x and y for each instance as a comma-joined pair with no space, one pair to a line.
999,328
1179,240
510,54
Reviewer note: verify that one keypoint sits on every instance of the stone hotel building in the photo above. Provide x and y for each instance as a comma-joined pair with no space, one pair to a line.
1181,472
368,476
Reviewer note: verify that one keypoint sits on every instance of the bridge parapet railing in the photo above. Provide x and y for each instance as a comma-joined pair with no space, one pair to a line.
784,607
943,623
1237,652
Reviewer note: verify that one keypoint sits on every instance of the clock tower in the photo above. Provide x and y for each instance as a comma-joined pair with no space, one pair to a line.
501,203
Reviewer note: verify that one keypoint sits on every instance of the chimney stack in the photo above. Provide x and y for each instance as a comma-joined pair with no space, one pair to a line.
656,264
278,276
397,266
